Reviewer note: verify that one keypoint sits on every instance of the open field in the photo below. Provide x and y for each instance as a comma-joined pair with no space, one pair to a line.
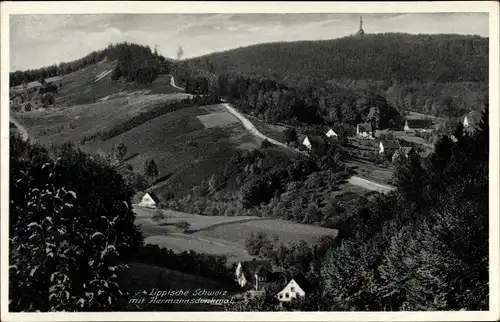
221,235
217,119
285,230
58,125
198,222
273,131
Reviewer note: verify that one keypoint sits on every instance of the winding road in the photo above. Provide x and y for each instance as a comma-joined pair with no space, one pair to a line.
253,130
370,185
354,180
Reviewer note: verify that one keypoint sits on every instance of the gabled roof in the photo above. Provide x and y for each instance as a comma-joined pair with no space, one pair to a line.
364,127
390,144
153,196
315,140
53,79
260,267
406,149
419,123
302,281
473,117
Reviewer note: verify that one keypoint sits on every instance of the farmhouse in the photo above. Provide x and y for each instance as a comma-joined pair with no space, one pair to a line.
149,200
298,286
314,144
331,134
364,131
421,125
253,274
388,146
404,151
33,86
471,121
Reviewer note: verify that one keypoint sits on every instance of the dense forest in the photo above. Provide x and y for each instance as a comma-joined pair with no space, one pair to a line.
391,56
442,75
422,247
326,104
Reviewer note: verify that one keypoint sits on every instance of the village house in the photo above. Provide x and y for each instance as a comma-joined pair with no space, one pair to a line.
364,131
149,200
314,144
254,274
388,147
34,86
331,134
471,120
418,125
297,287
406,152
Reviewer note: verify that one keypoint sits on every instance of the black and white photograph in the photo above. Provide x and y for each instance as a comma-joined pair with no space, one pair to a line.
217,160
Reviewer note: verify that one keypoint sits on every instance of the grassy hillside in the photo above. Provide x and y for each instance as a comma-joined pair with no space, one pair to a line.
186,144
403,57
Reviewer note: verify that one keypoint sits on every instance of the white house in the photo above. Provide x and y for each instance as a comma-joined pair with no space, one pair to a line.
364,131
297,287
418,125
307,143
315,144
388,146
149,200
471,121
331,134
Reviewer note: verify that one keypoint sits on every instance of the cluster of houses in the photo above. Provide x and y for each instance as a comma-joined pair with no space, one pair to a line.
256,275
21,95
317,144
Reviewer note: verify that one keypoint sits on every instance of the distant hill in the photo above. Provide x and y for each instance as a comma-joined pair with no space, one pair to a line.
391,56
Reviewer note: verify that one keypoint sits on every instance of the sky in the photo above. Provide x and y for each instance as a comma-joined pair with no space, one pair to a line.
42,40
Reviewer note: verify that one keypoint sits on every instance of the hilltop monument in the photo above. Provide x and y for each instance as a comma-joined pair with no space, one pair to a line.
360,31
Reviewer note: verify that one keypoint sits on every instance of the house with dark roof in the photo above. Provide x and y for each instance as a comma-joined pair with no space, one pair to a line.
254,274
297,287
315,144
149,200
364,131
421,125
388,146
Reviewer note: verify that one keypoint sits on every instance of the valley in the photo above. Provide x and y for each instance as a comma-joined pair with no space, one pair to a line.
342,163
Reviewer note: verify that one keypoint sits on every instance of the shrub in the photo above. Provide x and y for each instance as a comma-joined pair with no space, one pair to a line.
71,225
184,225
265,144
158,216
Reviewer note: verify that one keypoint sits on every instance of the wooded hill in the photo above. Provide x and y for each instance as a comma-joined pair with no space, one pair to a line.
388,56
134,62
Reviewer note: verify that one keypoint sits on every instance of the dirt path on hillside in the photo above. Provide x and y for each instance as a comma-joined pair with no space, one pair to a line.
370,185
172,83
253,130
22,130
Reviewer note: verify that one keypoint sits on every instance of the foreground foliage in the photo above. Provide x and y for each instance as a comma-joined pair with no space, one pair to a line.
71,225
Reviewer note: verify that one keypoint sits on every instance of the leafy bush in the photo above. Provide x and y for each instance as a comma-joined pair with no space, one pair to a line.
71,225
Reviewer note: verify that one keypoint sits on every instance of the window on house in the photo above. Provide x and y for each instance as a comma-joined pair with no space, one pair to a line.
281,296
287,295
293,289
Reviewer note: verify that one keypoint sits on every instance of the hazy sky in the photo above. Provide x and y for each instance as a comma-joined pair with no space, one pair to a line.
41,40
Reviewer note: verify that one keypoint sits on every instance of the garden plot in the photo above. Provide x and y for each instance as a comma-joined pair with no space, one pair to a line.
217,119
